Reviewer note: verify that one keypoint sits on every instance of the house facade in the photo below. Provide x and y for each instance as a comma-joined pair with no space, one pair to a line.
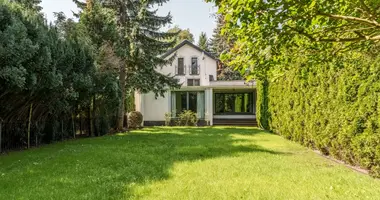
218,102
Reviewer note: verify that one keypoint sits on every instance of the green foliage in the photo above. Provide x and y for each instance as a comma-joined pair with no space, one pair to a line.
30,4
263,29
219,44
187,118
53,68
226,73
262,111
203,42
135,119
168,119
333,107
130,30
317,68
183,34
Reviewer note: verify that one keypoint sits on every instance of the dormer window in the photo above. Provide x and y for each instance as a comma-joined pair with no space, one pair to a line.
194,68
180,68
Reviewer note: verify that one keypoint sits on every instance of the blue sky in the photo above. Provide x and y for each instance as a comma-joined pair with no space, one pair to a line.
196,15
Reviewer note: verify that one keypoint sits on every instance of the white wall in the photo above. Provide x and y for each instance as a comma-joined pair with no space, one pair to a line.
208,66
155,109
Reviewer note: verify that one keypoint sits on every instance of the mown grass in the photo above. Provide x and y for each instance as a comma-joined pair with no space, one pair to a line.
180,163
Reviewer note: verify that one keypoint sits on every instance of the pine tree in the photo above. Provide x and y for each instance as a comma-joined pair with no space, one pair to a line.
138,45
203,42
219,42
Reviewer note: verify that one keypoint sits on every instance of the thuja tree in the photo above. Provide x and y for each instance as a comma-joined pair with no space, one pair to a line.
316,63
48,74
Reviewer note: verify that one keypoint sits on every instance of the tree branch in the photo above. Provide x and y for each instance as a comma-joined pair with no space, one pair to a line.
351,39
357,19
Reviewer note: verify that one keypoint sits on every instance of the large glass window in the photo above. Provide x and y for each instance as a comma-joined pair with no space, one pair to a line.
194,101
234,103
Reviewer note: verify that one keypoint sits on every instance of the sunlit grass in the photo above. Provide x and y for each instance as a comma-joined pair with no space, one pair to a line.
180,163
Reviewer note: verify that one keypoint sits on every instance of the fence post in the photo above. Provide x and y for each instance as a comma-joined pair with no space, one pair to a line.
30,120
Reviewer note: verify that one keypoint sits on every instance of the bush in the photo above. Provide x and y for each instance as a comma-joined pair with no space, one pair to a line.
187,118
135,119
333,107
168,119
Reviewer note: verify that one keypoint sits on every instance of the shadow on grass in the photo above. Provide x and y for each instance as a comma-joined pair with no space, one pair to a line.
107,167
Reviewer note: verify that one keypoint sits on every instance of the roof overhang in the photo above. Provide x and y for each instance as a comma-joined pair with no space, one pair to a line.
187,42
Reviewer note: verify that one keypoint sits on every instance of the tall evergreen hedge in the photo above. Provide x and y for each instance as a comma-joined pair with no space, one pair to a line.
330,106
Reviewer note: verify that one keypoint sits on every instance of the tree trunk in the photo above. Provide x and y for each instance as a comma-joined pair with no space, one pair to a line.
80,123
94,117
73,125
120,117
29,123
90,129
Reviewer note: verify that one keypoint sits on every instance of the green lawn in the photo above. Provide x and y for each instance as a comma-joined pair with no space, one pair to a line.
180,163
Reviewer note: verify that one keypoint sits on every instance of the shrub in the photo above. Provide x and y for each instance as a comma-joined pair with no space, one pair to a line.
135,119
168,118
187,118
333,107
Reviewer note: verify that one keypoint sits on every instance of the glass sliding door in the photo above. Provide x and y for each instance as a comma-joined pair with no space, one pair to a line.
194,101
234,103
201,105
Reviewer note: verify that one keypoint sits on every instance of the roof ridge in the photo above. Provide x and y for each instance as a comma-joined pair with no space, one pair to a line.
183,43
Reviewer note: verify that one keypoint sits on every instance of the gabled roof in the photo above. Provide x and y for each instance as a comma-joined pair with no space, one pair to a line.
183,43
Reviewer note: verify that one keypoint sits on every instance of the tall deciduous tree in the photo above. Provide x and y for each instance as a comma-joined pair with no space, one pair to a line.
30,4
183,34
263,28
203,42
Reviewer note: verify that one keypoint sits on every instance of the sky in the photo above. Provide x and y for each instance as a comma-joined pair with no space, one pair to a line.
195,15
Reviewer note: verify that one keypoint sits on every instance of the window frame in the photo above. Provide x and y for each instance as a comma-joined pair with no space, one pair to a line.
252,102
177,67
178,94
193,80
195,67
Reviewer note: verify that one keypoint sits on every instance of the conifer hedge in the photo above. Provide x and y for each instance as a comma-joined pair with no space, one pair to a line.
330,106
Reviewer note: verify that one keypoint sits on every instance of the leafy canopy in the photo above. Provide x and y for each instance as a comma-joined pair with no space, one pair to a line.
183,34
263,29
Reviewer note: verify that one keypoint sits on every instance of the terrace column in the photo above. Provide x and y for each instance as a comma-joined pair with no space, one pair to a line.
210,105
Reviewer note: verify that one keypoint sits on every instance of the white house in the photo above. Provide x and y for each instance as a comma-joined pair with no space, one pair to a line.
220,102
